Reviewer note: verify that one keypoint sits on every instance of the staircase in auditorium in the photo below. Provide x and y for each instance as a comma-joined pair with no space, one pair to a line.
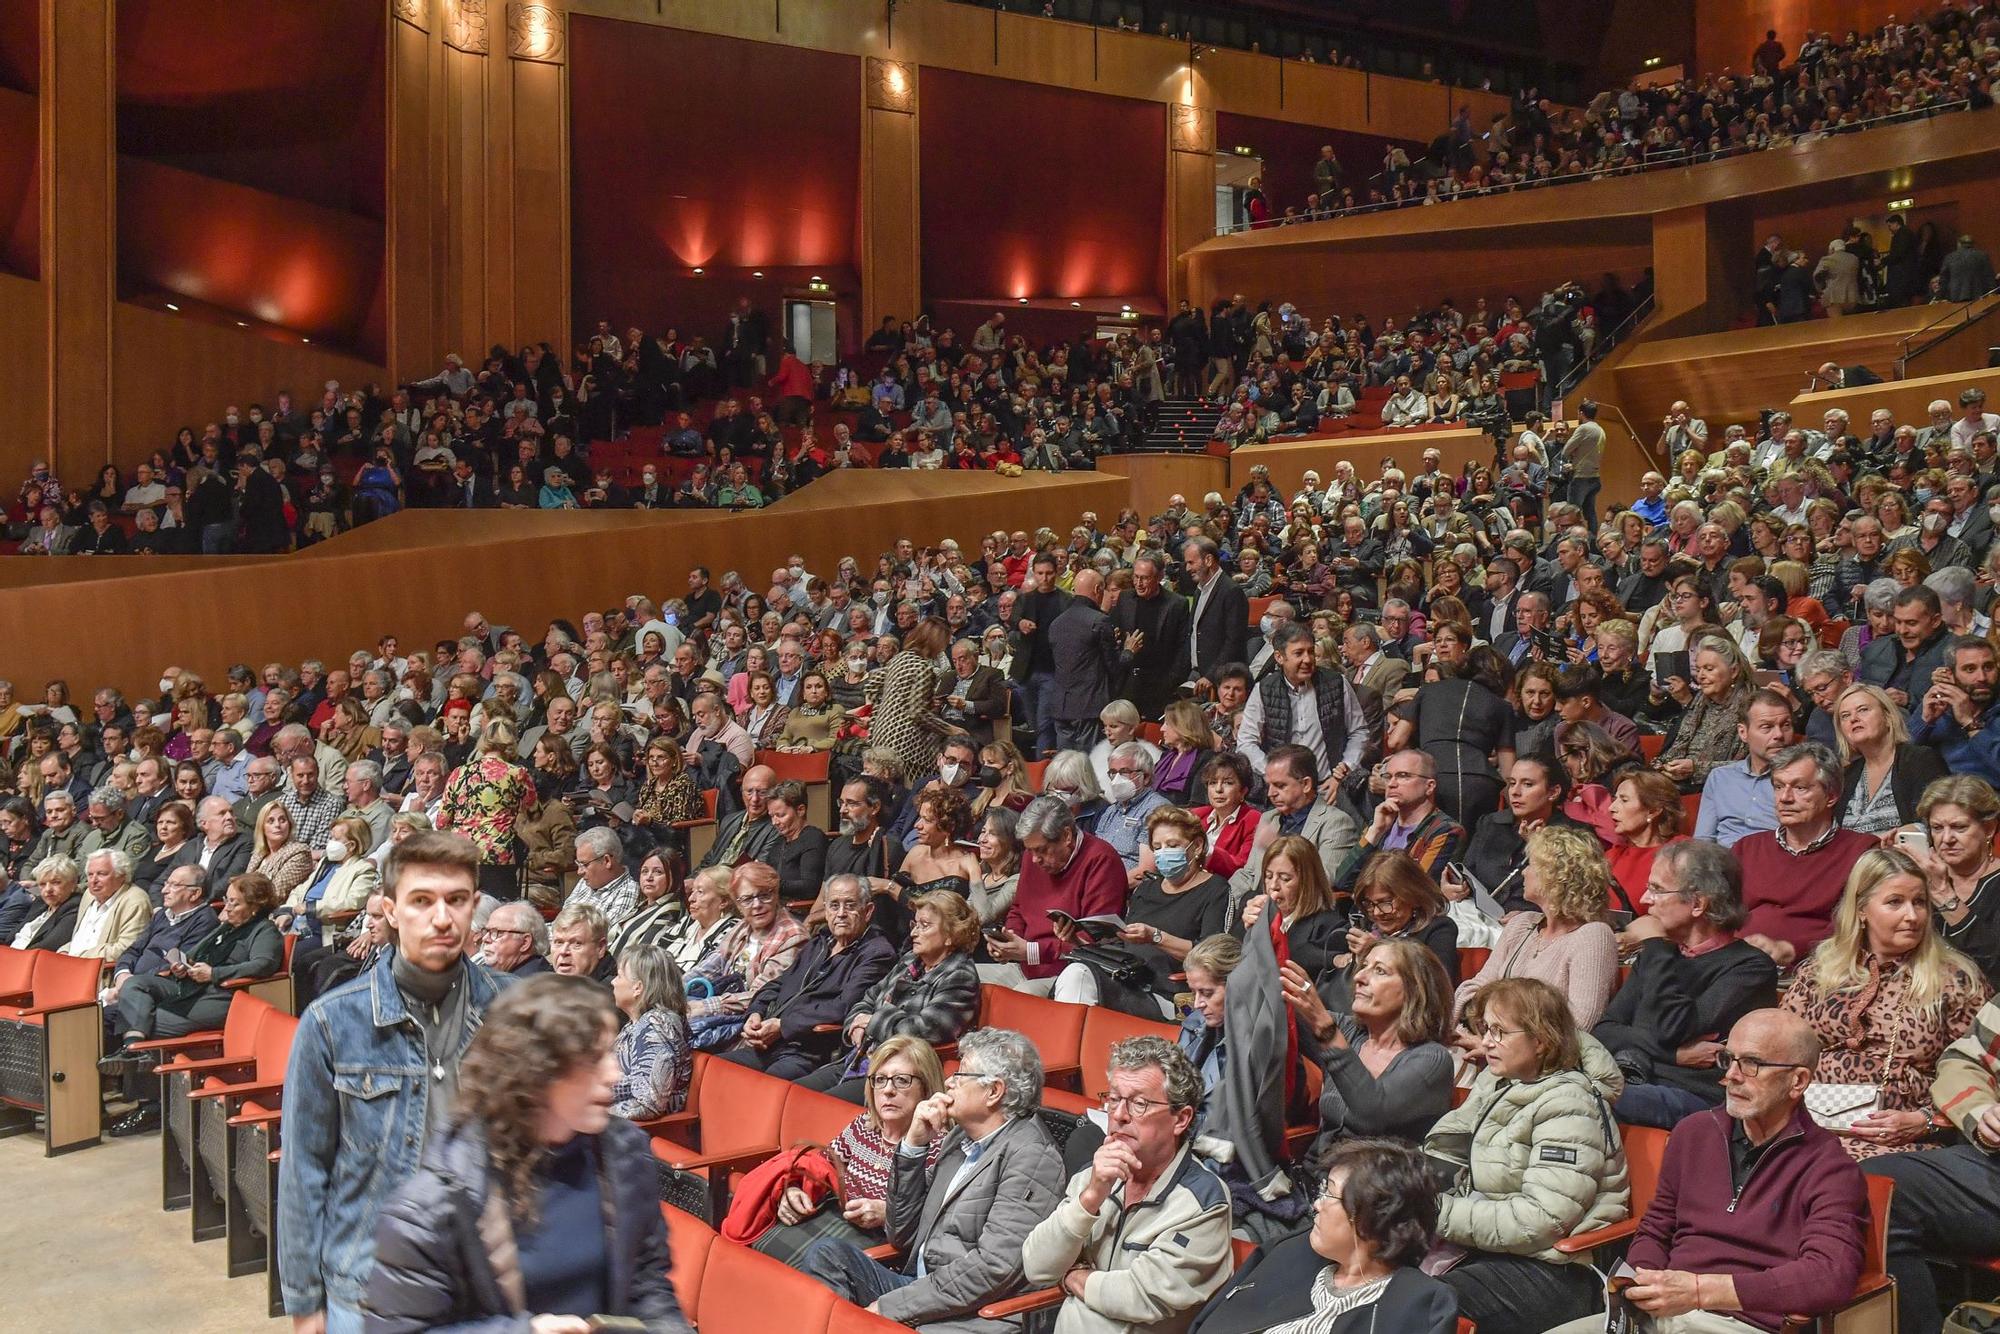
1183,424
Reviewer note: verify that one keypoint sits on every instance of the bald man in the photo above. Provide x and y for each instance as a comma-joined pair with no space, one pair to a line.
1759,1211
747,835
1089,662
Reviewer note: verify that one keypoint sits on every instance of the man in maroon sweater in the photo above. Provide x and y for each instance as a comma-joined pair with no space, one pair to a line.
1793,876
1759,1211
1062,868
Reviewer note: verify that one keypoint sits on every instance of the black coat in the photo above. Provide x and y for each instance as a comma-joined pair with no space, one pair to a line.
1222,631
61,925
263,515
1275,1285
822,987
1088,662
440,1253
230,860
1914,769
1161,664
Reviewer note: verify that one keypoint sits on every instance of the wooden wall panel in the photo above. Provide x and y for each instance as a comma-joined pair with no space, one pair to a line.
1289,459
519,570
1729,377
175,372
539,123
890,239
1908,399
467,315
1155,478
415,222
1071,55
24,350
79,228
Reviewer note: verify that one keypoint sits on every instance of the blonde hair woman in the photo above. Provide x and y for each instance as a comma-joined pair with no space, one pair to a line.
1884,775
1886,996
1562,942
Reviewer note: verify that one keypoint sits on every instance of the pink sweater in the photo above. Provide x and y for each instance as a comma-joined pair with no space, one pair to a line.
1581,964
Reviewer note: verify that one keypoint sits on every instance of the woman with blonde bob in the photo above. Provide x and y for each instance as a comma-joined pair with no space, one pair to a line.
1886,996
1563,942
1885,776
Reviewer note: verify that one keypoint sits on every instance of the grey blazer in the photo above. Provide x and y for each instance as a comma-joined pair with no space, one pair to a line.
1329,828
971,1234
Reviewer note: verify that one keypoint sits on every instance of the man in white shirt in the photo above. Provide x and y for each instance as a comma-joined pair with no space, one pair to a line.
147,491
114,911
1974,418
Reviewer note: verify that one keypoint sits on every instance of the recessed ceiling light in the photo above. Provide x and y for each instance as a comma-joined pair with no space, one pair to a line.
172,306
756,273
1077,304
305,340
242,324
1023,300
1124,307
697,273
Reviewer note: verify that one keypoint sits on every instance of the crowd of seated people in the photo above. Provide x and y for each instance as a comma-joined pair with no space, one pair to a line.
1831,85
1411,752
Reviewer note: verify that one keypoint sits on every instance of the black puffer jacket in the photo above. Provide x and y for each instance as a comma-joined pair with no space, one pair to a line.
445,1255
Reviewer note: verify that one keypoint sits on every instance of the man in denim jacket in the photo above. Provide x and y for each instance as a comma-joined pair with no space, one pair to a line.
373,1071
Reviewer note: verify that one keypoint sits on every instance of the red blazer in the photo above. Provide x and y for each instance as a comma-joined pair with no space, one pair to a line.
1230,851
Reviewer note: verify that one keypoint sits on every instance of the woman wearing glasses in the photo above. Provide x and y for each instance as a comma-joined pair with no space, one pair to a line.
1355,1271
902,1072
1538,1159
1886,996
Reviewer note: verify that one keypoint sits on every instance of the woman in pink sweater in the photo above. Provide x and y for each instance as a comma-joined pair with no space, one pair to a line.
1562,943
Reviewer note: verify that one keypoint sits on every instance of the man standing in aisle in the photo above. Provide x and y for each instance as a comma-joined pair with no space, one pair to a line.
373,1073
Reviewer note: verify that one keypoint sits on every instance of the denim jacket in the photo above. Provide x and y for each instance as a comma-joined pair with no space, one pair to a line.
355,1097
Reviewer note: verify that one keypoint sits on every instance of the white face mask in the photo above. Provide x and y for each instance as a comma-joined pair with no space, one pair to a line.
1935,523
1121,789
798,571
1266,624
880,598
166,684
336,850
949,773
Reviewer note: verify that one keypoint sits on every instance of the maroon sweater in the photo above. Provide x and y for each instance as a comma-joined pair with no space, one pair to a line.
1793,897
1092,885
1792,1241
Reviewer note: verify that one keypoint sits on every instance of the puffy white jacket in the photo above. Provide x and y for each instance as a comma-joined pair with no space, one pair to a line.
1542,1160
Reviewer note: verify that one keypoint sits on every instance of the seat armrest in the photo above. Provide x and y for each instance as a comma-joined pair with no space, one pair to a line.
212,1038
270,1116
887,1253
1872,1286
16,997
239,983
1603,1236
240,1090
1007,1309
717,1162
43,1011
209,1066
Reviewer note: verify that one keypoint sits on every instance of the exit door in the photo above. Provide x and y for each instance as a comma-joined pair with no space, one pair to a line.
809,326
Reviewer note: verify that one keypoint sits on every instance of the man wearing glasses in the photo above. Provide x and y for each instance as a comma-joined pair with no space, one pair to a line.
1141,1238
959,1227
515,940
1759,1210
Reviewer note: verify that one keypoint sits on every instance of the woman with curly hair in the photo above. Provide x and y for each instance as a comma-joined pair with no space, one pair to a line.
535,1206
1561,941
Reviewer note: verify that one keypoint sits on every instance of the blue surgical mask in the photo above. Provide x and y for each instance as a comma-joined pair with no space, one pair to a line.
1173,862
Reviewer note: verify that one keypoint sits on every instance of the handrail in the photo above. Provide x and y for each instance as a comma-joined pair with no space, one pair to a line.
1606,342
1649,161
1963,321
1639,440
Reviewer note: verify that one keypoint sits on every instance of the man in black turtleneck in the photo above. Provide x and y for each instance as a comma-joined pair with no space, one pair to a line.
374,1069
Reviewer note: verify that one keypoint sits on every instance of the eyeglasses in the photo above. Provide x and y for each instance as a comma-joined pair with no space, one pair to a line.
750,899
1495,1033
957,1075
1134,1108
900,1083
1726,1060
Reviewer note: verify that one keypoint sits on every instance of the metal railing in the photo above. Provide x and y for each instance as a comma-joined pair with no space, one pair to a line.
1652,160
1960,319
1602,348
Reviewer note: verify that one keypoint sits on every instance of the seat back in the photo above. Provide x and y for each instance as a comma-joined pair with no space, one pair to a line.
17,970
1645,1150
813,1118
689,1240
810,767
1650,746
847,1318
740,1108
274,1046
1691,808
1102,1029
1875,1244
62,980
1036,768
1056,1029
240,1026
1472,958
747,1292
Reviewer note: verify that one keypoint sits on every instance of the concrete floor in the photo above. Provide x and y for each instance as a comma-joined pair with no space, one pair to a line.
88,1248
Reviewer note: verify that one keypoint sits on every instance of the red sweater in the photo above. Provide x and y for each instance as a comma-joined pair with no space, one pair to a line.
1793,897
1092,885
1793,1241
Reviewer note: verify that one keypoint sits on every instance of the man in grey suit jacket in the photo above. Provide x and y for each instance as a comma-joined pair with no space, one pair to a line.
1295,809
1089,664
223,849
960,1227
747,835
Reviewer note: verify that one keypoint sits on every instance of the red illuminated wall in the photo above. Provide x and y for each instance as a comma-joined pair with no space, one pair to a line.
1038,192
692,150
252,157
1289,151
1726,34
20,138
